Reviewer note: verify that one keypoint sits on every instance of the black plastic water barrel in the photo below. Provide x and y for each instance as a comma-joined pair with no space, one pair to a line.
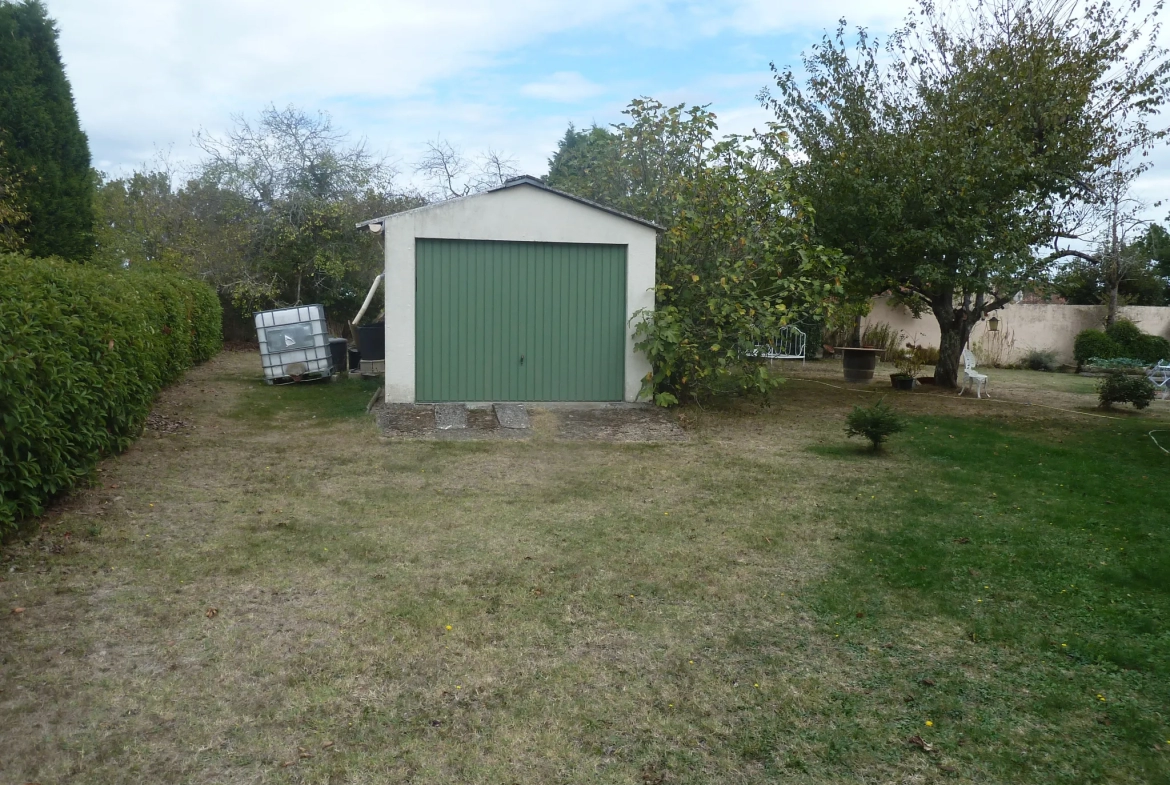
337,351
372,341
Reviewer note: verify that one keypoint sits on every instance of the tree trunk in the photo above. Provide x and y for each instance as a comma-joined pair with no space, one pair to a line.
1111,314
955,330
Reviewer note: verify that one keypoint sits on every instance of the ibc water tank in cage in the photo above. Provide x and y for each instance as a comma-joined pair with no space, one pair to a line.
294,344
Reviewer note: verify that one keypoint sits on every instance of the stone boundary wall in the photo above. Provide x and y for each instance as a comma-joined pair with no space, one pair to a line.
1022,327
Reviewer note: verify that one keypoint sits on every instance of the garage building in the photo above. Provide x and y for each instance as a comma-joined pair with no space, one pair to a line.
520,293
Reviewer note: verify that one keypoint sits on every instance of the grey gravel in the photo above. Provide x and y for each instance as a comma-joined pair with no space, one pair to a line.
450,415
512,415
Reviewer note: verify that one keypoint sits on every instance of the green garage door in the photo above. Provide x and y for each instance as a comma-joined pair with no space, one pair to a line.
504,321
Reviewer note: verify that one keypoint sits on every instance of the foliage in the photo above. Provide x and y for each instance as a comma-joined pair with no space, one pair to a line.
734,249
940,163
268,220
13,216
1118,272
843,326
84,352
1123,338
876,423
43,144
1132,342
1040,360
1119,387
298,185
908,360
814,333
881,335
587,163
1094,343
735,261
1116,363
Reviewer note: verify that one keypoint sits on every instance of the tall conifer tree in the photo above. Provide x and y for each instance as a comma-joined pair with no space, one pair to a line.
43,143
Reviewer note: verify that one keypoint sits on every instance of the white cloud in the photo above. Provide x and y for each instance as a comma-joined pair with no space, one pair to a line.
564,86
149,73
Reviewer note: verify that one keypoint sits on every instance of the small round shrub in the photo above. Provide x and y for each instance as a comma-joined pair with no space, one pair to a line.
876,423
1094,343
1124,332
1118,387
1040,360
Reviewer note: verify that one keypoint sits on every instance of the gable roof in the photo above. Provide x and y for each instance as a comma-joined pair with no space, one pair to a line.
515,182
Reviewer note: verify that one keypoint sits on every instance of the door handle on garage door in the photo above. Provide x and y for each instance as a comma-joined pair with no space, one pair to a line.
521,359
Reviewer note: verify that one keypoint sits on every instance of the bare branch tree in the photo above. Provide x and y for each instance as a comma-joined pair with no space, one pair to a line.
452,174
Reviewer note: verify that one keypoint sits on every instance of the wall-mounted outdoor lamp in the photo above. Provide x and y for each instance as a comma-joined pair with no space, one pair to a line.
993,324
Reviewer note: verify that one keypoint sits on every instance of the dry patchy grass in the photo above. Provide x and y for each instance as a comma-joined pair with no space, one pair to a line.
272,592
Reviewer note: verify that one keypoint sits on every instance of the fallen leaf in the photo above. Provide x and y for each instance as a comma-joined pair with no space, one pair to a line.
327,745
963,540
306,754
288,763
18,610
920,743
973,573
860,615
927,682
212,613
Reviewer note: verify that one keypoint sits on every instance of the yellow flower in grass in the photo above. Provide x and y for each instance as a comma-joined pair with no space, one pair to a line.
929,724
448,627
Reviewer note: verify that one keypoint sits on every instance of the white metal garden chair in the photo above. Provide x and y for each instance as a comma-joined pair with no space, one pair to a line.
972,377
1159,374
789,344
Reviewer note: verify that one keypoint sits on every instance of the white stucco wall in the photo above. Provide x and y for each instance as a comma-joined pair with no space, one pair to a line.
1023,327
521,213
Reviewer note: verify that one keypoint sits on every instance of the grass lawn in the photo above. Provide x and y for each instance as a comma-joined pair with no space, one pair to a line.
274,593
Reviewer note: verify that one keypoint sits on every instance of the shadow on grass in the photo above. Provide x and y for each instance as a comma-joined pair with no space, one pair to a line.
851,450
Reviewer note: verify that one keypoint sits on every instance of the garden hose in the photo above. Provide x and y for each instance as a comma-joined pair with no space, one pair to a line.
1160,447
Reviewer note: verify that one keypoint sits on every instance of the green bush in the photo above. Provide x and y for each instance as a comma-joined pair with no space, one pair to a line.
1040,360
1149,349
1124,332
1094,343
876,423
84,351
1127,340
1120,387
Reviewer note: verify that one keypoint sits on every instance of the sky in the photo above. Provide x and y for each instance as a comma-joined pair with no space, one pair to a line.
509,76
481,74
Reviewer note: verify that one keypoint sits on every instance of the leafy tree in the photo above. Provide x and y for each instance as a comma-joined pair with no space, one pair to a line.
1122,269
586,163
12,213
43,144
299,185
735,262
940,164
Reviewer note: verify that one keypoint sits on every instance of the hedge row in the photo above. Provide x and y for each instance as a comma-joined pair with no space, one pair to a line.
1123,338
83,352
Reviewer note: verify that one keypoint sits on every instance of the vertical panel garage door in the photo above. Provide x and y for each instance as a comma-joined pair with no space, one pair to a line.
509,321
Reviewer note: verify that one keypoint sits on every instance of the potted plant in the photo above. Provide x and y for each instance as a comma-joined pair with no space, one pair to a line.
909,363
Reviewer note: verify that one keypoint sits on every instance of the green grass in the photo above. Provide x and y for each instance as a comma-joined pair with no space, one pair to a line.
343,397
1046,553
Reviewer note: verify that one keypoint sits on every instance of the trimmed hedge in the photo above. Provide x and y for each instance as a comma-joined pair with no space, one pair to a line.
83,352
1123,338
